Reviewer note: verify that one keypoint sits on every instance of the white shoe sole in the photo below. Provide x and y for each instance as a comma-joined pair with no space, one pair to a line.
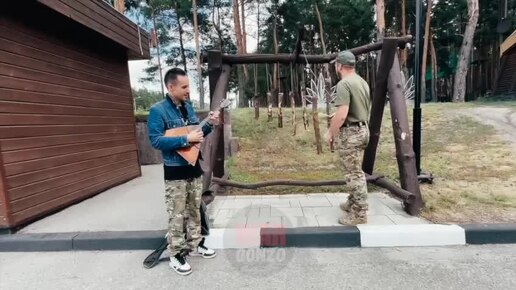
205,257
181,273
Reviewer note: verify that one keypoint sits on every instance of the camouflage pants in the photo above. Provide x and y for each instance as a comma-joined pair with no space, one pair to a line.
183,199
353,141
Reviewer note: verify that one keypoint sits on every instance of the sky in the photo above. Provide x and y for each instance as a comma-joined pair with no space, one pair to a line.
136,68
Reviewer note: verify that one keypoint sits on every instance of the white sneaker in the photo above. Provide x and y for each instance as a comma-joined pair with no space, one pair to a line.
179,264
203,251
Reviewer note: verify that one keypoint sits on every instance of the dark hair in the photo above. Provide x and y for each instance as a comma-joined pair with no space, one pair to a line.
172,74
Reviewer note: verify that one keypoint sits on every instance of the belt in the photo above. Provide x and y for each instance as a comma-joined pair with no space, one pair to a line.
354,124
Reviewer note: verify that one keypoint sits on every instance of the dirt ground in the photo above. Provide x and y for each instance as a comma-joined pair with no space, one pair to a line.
502,119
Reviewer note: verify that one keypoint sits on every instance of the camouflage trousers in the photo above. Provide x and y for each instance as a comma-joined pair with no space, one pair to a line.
352,143
183,199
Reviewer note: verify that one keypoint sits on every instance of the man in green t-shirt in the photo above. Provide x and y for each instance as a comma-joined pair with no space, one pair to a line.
350,125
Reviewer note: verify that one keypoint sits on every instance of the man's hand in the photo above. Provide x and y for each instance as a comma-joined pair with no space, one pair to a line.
195,136
214,118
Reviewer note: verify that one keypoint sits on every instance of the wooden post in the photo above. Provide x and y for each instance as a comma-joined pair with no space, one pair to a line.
380,94
218,132
256,107
214,71
402,139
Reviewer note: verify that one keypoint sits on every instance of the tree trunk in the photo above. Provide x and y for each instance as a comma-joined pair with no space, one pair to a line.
425,49
380,19
275,79
199,70
244,39
305,113
380,25
435,69
404,52
240,49
306,121
256,108
326,69
238,29
459,92
216,25
256,101
317,131
244,33
269,107
293,106
181,45
269,94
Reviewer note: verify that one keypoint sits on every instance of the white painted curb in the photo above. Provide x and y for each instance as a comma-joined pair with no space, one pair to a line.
411,235
242,238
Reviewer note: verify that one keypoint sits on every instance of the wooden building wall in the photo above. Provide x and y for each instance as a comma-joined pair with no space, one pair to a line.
3,197
67,126
101,17
506,82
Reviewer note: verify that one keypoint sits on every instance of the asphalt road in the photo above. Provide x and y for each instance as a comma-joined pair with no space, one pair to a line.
465,267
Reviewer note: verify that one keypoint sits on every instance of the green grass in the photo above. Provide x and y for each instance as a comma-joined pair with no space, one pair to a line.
475,171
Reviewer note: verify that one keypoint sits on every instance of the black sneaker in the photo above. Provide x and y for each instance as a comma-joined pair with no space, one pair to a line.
179,264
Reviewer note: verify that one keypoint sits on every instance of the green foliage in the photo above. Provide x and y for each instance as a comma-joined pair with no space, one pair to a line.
346,23
144,99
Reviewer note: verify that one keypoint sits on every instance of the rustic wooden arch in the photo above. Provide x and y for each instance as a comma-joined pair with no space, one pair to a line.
388,82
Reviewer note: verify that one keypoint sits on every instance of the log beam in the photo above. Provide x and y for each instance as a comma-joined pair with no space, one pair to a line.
380,181
302,58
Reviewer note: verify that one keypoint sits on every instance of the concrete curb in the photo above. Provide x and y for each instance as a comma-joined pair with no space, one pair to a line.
312,237
477,234
86,241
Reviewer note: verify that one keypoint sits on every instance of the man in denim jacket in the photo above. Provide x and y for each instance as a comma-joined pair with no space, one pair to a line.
183,185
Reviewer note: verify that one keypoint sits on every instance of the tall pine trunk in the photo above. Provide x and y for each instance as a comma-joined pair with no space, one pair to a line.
240,49
275,79
435,69
181,44
404,52
327,77
199,70
244,40
317,130
459,92
380,25
425,49
256,98
380,19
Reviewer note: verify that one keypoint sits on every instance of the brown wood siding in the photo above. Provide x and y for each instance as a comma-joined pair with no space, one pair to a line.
4,222
67,127
506,83
104,19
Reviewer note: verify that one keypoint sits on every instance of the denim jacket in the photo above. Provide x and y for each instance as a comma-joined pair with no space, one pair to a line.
166,115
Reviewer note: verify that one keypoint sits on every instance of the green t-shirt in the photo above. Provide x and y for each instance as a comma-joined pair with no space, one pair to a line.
353,91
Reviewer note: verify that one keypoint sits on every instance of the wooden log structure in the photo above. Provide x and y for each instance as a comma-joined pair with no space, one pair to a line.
404,151
285,58
380,181
377,108
389,81
215,146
